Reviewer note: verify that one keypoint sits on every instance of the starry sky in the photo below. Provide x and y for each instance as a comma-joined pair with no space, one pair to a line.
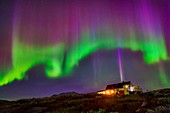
53,46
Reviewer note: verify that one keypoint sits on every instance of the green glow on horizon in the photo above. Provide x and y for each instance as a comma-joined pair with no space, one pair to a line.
26,57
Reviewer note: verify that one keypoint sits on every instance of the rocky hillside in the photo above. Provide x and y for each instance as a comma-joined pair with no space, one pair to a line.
157,101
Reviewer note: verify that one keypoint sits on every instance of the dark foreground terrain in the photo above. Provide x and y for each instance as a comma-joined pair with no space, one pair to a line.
157,101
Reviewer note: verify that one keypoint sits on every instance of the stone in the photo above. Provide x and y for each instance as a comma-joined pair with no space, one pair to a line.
150,111
144,104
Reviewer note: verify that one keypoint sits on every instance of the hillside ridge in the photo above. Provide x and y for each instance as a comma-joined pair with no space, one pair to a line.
156,101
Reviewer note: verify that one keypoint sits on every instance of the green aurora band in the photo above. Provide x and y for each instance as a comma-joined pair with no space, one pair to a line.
25,57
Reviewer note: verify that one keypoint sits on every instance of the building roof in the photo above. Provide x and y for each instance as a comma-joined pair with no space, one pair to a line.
101,91
118,85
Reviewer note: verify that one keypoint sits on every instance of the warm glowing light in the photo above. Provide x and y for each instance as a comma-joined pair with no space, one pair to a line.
126,86
107,92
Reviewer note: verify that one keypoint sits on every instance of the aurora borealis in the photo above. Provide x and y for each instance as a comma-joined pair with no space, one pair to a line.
109,40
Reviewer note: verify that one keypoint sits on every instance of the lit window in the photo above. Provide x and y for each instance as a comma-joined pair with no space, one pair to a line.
107,92
131,88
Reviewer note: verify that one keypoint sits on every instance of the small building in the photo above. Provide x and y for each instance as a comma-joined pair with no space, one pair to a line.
121,89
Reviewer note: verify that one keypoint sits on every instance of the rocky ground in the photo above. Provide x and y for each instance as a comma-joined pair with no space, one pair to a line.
157,101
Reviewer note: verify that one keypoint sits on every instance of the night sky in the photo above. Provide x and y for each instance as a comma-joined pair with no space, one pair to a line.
53,46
